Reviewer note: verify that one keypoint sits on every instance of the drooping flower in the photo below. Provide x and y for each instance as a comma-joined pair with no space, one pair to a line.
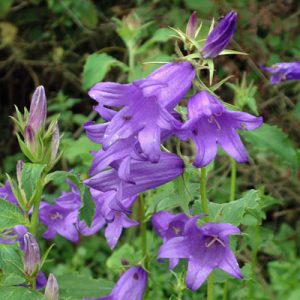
143,175
116,220
32,257
51,291
210,124
220,36
131,285
168,226
147,106
283,71
205,248
38,110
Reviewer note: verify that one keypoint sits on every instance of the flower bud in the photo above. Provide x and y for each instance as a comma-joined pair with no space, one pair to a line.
30,140
38,109
191,26
55,143
31,254
51,291
220,36
19,171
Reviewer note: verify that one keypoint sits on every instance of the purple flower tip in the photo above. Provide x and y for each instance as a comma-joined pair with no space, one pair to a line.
220,36
191,26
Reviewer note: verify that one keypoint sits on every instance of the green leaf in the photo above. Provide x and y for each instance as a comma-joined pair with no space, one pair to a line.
31,174
10,259
5,6
96,67
233,212
76,286
86,12
10,215
87,209
272,140
19,293
11,279
124,253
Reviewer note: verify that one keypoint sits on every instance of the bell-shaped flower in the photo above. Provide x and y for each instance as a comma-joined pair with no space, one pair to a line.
205,248
62,217
147,106
136,177
283,71
210,124
117,220
168,226
131,285
220,36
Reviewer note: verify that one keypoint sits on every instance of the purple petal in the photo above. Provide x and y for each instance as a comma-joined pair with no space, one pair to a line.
243,121
177,247
230,265
95,132
196,274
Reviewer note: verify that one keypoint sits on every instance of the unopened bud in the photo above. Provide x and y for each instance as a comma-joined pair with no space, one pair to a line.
55,143
191,26
29,136
51,291
220,36
19,171
31,254
38,109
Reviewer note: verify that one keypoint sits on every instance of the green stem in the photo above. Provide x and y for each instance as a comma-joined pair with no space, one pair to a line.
210,287
233,180
36,206
231,198
143,232
204,203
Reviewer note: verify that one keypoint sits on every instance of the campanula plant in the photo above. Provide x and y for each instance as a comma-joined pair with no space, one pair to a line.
157,140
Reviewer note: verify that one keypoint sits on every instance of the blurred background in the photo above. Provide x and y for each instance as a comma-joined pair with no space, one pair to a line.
69,45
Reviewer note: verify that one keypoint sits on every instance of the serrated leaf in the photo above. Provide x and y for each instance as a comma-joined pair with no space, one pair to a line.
10,215
10,259
96,67
31,174
76,286
19,293
233,212
272,140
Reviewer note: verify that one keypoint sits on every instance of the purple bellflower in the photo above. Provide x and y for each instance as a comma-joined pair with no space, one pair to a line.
140,175
168,226
116,220
211,124
131,285
220,36
147,106
61,217
283,71
205,248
